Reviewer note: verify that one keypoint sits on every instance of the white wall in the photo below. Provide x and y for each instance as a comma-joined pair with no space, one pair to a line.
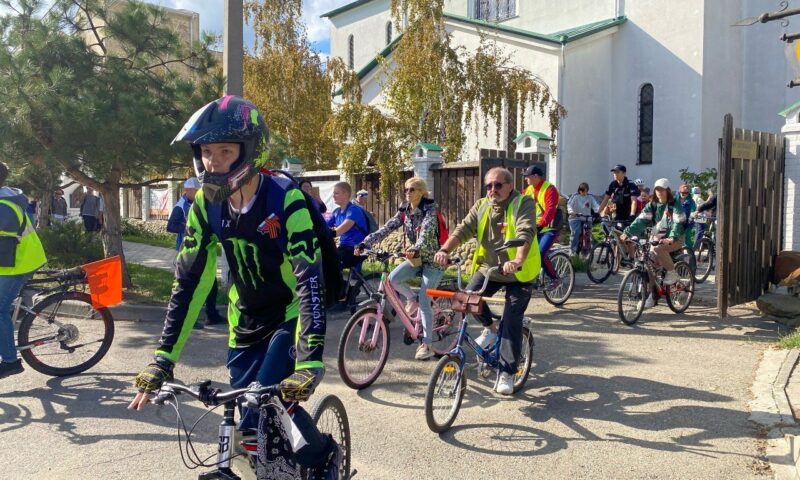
723,74
539,15
659,44
367,24
585,133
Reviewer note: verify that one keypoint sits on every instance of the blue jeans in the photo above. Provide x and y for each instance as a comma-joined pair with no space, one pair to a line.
546,240
575,225
430,279
268,364
10,286
518,295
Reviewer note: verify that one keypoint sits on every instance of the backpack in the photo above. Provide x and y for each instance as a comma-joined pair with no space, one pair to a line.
444,232
372,225
331,267
561,212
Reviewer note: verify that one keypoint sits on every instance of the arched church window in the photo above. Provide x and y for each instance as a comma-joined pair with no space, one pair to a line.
646,97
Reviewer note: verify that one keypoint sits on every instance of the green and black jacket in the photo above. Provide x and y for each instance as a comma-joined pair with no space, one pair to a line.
275,263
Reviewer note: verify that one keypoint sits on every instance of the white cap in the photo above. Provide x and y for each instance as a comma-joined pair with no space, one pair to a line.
662,182
362,193
192,182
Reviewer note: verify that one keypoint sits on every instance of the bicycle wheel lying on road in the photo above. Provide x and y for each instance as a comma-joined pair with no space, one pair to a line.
67,335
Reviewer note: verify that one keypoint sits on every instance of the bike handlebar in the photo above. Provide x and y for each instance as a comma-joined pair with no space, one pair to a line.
255,394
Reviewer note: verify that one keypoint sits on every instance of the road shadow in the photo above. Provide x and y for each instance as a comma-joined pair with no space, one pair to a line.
67,402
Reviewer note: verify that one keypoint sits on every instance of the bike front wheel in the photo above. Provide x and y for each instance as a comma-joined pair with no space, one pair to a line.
600,263
363,348
679,295
705,260
444,394
330,417
65,334
631,297
560,292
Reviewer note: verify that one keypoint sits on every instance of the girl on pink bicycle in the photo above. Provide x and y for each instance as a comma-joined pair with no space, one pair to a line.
418,216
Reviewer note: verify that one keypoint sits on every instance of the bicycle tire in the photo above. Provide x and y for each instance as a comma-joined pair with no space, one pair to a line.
602,257
638,297
373,279
344,360
39,357
525,364
340,431
684,284
562,264
705,260
450,366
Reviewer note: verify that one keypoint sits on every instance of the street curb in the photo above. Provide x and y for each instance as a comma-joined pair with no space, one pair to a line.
770,408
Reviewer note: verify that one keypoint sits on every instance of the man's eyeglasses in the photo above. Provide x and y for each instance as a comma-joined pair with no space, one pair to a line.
409,190
495,186
684,193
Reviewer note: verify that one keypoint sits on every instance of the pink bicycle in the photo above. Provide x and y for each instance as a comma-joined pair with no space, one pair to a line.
364,345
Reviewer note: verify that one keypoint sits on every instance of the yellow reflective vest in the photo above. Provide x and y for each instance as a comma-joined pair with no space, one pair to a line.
539,199
29,253
532,264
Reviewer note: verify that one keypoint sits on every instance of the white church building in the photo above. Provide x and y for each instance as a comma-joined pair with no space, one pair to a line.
646,83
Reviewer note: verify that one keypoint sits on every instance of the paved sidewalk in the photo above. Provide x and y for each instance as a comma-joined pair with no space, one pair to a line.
149,256
160,257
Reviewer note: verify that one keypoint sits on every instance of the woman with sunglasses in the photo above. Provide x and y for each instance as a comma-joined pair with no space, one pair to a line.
418,217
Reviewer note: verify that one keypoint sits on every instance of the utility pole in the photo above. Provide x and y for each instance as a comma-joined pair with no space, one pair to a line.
233,53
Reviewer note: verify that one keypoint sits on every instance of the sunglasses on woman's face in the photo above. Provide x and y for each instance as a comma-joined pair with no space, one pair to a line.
410,190
495,186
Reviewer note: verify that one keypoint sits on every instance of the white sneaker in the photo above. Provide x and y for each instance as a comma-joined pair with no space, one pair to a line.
424,352
486,338
650,302
671,277
505,384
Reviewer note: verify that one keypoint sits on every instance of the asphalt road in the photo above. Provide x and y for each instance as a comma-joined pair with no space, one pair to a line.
665,399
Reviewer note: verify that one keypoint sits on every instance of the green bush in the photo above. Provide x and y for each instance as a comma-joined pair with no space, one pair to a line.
151,232
68,245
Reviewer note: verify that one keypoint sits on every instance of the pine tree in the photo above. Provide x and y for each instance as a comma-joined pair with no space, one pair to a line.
98,94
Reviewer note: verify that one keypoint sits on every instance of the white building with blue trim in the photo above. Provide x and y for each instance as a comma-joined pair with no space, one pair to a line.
645,82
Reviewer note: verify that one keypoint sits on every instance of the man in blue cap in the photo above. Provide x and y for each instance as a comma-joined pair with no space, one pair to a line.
177,225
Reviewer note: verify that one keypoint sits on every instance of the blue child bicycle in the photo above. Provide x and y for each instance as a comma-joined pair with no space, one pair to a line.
448,382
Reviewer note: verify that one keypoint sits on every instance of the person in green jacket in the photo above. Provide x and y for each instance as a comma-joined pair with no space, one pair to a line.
665,214
21,254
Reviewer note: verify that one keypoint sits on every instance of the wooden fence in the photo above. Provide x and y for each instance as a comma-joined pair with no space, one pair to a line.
750,213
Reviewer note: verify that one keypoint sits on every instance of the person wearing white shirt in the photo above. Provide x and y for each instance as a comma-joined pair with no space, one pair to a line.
581,203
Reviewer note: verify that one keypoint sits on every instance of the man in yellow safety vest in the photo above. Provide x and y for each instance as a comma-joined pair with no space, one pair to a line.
548,221
21,253
502,215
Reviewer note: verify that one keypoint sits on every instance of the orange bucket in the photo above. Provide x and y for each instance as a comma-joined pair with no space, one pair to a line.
105,281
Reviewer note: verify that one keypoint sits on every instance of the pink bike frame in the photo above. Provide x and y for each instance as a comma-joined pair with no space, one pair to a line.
390,294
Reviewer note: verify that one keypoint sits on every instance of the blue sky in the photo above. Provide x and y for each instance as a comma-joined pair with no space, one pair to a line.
211,18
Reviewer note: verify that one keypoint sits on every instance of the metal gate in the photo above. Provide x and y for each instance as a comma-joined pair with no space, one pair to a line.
750,213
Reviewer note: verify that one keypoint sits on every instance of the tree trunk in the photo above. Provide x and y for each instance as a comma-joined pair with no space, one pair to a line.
112,228
44,209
